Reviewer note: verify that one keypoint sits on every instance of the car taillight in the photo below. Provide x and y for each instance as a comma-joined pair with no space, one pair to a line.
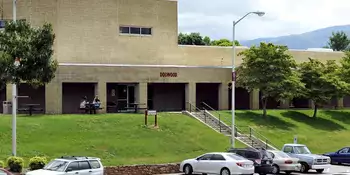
239,164
288,162
258,161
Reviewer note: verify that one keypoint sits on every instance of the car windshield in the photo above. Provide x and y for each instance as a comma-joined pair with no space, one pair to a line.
281,154
56,165
236,157
302,150
265,155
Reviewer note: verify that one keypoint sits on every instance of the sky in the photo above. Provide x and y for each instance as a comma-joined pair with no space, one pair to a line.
214,18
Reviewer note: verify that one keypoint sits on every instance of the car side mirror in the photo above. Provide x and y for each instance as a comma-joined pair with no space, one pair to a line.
69,169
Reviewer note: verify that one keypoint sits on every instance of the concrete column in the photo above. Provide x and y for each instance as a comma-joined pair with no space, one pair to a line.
8,92
223,96
101,92
340,103
285,104
53,98
190,94
311,104
254,99
141,94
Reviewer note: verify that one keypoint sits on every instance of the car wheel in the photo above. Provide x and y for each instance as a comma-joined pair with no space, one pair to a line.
275,169
320,170
188,169
288,172
304,168
225,171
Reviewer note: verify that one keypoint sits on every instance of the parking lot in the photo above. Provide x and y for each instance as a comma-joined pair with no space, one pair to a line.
335,169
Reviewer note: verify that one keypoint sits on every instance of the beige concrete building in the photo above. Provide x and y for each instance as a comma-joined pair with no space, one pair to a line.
126,51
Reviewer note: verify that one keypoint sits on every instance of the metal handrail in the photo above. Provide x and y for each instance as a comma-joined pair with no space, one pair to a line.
197,109
212,109
255,133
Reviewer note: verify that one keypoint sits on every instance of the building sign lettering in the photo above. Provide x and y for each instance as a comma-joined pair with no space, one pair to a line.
168,74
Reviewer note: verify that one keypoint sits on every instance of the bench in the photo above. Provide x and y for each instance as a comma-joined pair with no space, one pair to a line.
86,110
30,110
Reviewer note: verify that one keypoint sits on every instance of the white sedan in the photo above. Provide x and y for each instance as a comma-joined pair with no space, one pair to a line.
218,163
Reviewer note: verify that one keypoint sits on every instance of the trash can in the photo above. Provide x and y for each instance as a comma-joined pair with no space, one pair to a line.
7,107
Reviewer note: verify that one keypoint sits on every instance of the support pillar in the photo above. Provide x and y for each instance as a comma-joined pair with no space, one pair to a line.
190,94
311,104
53,97
101,92
223,96
340,103
285,104
254,99
141,91
8,92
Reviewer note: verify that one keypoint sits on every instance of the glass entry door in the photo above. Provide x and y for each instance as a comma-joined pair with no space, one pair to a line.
126,96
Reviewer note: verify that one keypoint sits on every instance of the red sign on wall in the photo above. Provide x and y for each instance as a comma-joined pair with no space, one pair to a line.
168,74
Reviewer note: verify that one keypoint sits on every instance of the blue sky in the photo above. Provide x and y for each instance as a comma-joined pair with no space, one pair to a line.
283,17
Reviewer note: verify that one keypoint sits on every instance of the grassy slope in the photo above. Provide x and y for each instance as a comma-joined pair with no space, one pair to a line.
116,138
329,132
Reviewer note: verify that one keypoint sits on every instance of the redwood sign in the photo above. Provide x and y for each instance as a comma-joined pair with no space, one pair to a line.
168,74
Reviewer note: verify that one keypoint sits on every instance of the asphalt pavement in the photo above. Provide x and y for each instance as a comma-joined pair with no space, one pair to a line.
335,169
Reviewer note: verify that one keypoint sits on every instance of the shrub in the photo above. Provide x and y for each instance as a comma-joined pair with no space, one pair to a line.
37,162
2,164
15,164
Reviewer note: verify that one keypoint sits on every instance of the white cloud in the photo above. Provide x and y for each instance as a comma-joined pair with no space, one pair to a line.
283,17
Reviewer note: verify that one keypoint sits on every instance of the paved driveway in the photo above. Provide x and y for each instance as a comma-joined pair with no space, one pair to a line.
335,169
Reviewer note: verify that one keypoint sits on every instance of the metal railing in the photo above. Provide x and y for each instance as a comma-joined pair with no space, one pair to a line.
255,137
193,108
209,108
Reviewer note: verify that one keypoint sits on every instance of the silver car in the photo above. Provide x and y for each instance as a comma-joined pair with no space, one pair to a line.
283,162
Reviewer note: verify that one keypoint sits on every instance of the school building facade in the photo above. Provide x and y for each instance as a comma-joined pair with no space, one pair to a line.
126,51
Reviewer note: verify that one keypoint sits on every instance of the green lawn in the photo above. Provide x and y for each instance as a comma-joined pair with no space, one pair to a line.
116,138
329,132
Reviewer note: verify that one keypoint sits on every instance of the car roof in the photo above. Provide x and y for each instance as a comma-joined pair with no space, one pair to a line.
293,144
73,158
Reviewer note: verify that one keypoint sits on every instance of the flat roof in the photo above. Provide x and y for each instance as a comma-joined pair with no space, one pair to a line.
140,65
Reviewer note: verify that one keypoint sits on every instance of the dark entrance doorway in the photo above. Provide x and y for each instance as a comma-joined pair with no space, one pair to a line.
207,93
35,96
120,97
271,103
300,103
72,94
166,96
2,97
242,98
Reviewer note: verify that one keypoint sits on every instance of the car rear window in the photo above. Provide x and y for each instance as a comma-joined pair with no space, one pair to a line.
236,157
252,155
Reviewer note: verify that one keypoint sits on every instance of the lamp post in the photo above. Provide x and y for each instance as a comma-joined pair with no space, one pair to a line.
234,73
14,96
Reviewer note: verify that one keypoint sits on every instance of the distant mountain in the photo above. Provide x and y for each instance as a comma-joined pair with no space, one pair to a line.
314,39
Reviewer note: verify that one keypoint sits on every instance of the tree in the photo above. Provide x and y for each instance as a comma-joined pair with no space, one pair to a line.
322,82
270,69
33,46
224,42
197,39
339,41
190,39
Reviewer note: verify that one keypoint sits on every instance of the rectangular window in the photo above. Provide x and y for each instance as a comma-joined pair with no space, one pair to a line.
135,30
125,30
146,31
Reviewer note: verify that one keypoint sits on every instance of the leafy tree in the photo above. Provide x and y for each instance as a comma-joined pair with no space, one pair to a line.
224,42
190,39
322,82
197,39
270,69
339,41
33,46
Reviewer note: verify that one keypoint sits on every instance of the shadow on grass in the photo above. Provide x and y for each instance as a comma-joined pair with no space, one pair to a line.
317,123
342,116
268,121
31,116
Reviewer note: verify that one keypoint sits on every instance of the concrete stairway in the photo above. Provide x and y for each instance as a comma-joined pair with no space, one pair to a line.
246,135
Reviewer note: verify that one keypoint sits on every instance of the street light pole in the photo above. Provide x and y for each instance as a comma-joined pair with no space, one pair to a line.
234,73
14,97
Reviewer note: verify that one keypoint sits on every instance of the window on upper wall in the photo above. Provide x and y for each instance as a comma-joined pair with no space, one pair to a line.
135,30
